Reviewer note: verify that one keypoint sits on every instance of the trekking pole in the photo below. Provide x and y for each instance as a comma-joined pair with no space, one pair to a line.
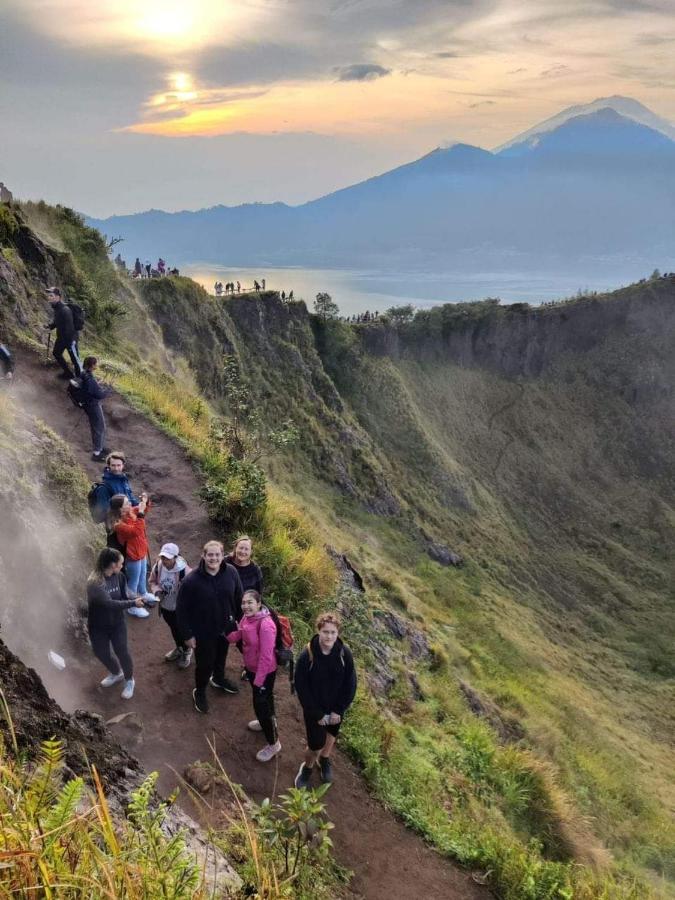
49,343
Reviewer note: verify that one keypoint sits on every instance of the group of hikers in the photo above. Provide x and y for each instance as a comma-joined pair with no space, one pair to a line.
146,269
207,608
232,287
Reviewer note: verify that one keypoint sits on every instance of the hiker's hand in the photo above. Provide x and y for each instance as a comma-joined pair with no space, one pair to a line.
191,643
334,719
324,721
139,601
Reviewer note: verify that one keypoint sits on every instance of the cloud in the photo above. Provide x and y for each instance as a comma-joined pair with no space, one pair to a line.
555,71
361,72
481,103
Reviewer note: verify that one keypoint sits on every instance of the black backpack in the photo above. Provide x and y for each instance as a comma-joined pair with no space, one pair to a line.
98,500
78,315
77,393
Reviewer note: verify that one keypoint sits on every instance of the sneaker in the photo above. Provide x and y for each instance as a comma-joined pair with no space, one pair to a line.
138,611
99,457
128,691
254,725
304,776
185,659
269,752
109,680
200,702
225,685
325,770
173,655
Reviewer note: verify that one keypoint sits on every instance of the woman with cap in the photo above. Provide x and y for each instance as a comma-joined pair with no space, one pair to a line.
165,579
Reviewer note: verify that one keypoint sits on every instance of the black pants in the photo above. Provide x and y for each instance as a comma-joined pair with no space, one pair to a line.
263,706
170,616
60,347
94,413
210,658
101,642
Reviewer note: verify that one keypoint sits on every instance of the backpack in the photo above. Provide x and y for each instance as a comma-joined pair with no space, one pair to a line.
78,395
78,315
283,646
98,500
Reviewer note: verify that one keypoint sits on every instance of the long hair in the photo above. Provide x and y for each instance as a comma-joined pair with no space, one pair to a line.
115,511
106,558
242,537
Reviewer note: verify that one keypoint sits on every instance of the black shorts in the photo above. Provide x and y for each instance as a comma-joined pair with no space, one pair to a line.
316,734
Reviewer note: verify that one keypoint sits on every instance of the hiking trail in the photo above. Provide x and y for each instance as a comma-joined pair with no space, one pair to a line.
388,859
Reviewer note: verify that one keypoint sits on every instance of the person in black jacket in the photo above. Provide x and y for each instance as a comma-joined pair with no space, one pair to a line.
106,600
250,574
66,336
94,393
7,362
325,682
208,609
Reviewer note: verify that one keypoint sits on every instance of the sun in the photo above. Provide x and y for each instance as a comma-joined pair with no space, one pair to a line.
167,21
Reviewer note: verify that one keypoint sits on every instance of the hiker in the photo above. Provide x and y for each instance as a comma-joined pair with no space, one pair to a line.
263,283
290,295
258,634
325,681
138,268
7,362
128,524
165,580
106,600
161,266
283,295
250,574
116,479
208,608
239,287
66,335
93,394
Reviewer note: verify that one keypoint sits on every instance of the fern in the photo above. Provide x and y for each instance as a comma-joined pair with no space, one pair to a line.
64,808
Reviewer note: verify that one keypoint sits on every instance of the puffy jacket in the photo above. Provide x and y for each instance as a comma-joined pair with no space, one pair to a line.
62,320
168,581
119,484
325,682
209,605
258,634
131,533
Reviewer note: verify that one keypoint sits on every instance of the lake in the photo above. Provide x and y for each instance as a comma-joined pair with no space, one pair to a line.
357,291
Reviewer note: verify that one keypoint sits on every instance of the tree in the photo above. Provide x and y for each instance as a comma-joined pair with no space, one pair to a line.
325,307
400,315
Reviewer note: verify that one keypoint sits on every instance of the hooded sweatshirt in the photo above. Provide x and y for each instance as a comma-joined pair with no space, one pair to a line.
168,581
325,682
250,575
209,605
62,320
258,634
119,484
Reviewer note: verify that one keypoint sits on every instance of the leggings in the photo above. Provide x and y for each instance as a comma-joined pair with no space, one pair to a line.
263,706
170,616
137,571
101,642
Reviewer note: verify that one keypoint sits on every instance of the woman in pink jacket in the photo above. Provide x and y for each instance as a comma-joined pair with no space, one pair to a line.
258,634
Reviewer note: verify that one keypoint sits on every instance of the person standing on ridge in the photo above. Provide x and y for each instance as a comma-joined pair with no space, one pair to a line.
106,601
92,407
257,632
165,580
208,608
66,336
325,682
138,269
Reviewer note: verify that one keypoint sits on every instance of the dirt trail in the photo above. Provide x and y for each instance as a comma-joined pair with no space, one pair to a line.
389,860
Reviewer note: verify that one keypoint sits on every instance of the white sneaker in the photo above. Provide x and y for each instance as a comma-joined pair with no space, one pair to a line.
109,680
138,611
269,752
185,659
173,655
254,725
128,691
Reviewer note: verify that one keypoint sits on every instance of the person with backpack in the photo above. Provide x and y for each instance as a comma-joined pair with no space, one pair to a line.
114,480
128,524
7,362
92,393
106,601
257,632
66,334
325,681
208,608
165,580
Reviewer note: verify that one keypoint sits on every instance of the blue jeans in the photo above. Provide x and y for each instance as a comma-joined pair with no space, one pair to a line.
137,571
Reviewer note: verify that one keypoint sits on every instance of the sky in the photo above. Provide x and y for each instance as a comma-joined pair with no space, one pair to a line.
115,107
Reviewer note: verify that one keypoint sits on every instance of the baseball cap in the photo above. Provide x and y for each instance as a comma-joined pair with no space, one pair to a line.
169,550
56,292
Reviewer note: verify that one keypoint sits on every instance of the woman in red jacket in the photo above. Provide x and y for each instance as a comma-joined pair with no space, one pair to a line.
128,523
258,633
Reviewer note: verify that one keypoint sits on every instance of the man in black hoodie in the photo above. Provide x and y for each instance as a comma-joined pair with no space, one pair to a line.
208,608
66,335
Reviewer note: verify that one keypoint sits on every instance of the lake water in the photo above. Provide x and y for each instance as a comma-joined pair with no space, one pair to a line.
357,291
